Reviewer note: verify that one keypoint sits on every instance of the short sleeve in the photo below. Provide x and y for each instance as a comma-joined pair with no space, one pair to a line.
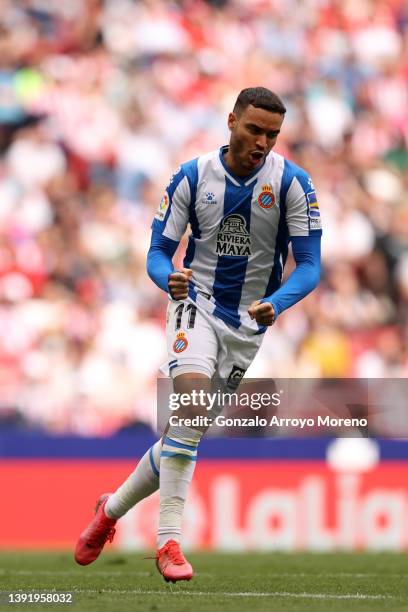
302,209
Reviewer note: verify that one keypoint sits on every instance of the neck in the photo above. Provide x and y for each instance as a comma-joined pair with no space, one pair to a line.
234,165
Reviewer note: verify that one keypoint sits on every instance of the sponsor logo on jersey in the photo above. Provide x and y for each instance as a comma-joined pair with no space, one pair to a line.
266,198
233,237
163,206
209,198
180,343
235,377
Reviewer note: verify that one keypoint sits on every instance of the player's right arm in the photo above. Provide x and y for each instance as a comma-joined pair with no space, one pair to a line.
169,225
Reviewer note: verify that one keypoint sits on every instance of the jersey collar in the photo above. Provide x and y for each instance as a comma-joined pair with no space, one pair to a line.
238,180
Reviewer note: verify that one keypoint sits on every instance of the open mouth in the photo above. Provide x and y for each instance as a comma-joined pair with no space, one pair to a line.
256,156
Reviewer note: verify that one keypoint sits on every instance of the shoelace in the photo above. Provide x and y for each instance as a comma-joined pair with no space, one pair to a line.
174,552
101,534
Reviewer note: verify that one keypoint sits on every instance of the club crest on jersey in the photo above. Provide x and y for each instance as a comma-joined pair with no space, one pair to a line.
180,343
233,237
209,198
266,198
163,206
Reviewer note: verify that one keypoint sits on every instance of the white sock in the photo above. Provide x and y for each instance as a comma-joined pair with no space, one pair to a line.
140,484
177,463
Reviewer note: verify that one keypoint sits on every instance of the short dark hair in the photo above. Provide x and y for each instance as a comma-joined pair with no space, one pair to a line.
260,97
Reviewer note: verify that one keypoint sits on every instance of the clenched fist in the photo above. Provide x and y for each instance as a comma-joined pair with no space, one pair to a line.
262,312
178,283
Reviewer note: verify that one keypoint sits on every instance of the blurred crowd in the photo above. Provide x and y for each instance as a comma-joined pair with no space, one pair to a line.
100,100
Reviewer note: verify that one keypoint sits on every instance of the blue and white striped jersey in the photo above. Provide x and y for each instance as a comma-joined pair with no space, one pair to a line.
240,227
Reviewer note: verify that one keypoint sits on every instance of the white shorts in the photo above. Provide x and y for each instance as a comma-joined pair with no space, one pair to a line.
199,342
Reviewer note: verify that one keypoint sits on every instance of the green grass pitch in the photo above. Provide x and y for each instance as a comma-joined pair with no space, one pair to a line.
267,581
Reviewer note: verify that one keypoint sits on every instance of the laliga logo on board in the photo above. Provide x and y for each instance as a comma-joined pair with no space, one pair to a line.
266,198
181,343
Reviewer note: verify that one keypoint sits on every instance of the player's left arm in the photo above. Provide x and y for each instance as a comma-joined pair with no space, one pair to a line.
304,278
304,229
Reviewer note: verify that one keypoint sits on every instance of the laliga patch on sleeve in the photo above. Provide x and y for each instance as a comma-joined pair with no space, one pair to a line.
312,199
163,206
313,211
316,224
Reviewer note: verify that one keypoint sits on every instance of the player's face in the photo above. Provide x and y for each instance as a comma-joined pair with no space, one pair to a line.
253,135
